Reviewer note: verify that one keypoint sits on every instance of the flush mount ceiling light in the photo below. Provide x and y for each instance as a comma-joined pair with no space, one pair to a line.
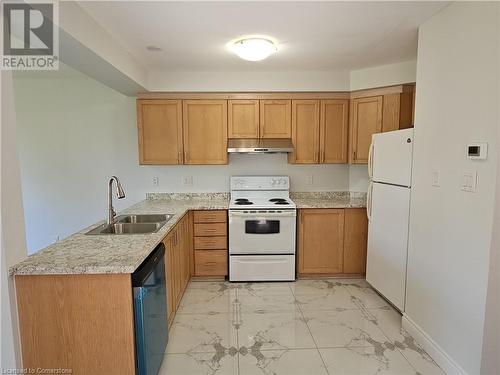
253,48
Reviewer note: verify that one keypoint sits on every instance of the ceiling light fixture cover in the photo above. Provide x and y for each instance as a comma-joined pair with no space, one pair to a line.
253,48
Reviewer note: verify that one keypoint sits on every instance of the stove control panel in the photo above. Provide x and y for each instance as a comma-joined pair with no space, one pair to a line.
260,183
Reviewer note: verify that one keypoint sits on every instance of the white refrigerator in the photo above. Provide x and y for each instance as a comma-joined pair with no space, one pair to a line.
388,210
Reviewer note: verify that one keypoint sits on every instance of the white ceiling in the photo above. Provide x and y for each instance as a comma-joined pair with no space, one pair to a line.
311,35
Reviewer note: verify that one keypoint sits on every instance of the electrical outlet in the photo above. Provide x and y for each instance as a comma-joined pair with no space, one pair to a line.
155,181
310,179
187,180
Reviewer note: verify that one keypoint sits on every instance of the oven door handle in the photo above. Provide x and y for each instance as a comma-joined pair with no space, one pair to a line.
263,214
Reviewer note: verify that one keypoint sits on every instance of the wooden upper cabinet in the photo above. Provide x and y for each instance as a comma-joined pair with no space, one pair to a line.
334,128
366,120
205,131
160,131
305,132
407,108
398,111
321,241
275,118
243,119
390,114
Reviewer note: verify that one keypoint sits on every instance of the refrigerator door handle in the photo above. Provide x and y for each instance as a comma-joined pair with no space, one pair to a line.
370,161
369,202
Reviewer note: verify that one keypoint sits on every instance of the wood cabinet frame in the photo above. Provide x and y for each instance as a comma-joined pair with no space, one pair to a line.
176,142
201,142
232,123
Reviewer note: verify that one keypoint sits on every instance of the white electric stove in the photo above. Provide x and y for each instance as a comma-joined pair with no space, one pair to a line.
262,229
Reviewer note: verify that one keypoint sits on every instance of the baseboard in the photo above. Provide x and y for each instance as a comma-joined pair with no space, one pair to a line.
447,364
307,276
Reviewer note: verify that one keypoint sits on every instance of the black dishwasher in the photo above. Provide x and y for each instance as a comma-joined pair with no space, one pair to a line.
150,312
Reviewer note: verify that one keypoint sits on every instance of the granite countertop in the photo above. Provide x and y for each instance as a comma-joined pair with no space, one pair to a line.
329,199
98,254
106,254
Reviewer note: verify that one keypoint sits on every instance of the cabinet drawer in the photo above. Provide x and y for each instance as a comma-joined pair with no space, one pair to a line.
216,229
210,216
210,243
210,262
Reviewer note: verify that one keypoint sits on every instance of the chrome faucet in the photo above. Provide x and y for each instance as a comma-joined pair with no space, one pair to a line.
119,193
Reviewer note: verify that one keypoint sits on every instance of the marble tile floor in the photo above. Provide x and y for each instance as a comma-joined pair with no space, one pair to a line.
309,327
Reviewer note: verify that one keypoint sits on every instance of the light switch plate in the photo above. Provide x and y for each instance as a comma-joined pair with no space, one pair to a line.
155,181
187,180
435,178
469,182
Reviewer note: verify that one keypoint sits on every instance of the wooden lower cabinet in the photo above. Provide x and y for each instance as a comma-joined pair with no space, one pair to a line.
355,240
332,241
210,262
321,241
170,271
178,244
210,243
80,322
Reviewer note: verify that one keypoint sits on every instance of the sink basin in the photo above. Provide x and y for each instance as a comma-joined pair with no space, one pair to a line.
133,224
143,218
126,228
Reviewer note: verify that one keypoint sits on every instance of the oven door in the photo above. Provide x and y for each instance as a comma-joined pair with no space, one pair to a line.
262,232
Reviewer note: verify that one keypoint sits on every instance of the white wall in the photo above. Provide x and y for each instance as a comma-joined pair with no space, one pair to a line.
77,23
490,364
75,132
450,230
12,243
249,81
384,75
358,177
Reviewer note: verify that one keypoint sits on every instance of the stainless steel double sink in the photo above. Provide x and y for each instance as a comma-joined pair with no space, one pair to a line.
133,224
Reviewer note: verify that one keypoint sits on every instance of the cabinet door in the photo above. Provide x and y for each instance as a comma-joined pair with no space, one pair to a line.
177,270
186,248
321,241
275,118
243,118
160,131
305,132
407,109
170,269
391,112
211,262
333,131
205,131
182,263
355,240
366,120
